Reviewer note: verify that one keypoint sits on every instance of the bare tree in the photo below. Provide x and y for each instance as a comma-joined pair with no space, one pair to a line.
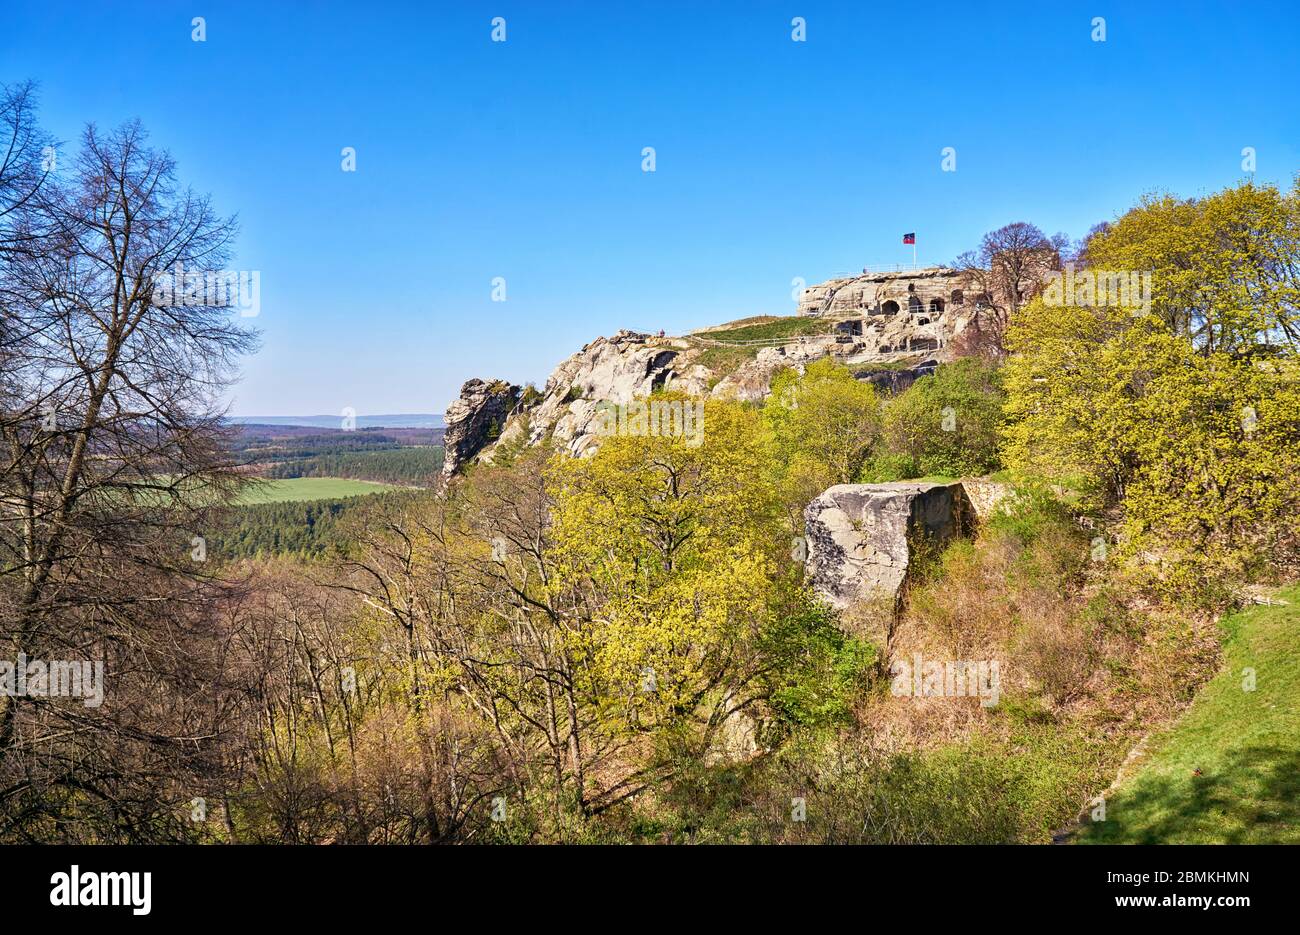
26,159
1008,269
113,464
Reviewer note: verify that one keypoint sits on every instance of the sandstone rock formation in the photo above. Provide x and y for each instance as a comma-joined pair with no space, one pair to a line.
475,420
610,370
985,495
751,382
863,538
931,289
886,342
885,315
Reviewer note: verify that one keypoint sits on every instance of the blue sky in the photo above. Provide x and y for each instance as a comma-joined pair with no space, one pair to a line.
774,159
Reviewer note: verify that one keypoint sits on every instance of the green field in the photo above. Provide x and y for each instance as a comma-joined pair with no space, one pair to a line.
1229,771
767,328
310,488
734,352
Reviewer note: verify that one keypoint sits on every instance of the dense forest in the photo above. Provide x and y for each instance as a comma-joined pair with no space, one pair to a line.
309,529
255,443
414,467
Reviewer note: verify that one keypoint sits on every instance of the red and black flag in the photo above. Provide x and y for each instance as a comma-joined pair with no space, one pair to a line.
909,238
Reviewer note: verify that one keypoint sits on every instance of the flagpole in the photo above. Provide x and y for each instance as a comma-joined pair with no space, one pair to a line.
914,253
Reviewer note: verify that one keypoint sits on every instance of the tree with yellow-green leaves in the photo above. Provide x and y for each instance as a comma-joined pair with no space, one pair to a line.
609,621
1184,413
675,557
1225,269
823,424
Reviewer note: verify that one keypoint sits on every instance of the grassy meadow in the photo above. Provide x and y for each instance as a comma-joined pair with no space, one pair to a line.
310,488
1229,771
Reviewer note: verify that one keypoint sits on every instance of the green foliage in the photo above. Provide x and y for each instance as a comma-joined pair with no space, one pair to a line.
889,466
1030,513
1178,417
947,424
816,669
271,444
822,424
684,552
742,342
770,329
306,529
530,396
1224,271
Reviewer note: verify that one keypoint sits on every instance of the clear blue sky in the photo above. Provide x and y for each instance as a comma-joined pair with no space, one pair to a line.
522,159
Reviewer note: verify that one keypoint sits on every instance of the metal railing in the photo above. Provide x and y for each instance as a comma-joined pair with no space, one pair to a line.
873,270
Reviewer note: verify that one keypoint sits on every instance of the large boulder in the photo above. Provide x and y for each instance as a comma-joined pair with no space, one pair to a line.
986,496
475,420
863,538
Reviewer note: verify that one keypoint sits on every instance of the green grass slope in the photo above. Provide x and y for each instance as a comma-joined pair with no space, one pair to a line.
1229,771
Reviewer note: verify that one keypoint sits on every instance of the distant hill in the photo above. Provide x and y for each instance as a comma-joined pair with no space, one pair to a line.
415,420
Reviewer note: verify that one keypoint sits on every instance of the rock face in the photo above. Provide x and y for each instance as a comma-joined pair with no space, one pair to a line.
475,420
931,289
985,495
608,370
862,538
895,381
883,316
890,350
751,382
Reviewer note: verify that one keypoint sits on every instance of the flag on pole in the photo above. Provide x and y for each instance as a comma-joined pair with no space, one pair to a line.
909,238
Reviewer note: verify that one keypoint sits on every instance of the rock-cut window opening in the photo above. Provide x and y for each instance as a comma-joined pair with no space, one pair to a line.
890,307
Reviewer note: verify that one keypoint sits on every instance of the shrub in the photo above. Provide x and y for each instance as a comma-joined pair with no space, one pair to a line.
944,424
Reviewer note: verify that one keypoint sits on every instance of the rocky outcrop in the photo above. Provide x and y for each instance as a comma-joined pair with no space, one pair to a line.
888,350
751,382
863,538
985,495
475,420
931,288
896,380
613,370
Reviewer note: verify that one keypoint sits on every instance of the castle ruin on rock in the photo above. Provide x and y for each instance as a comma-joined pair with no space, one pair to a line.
899,312
888,328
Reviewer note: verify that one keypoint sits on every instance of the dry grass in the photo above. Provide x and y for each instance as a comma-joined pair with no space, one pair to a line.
1072,646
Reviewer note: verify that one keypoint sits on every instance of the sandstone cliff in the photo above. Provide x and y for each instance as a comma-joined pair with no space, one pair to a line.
886,342
863,538
475,420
